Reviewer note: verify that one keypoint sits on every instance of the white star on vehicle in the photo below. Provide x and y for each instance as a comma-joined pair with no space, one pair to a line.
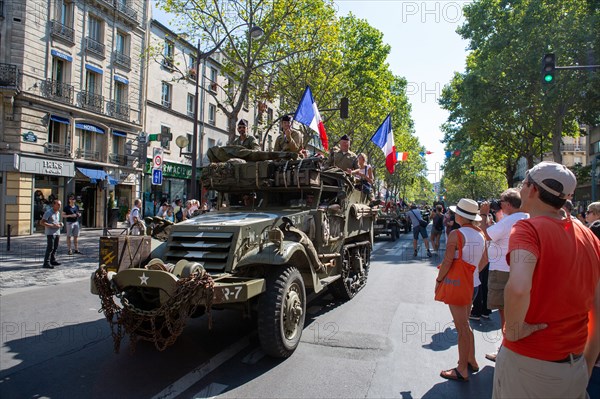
144,279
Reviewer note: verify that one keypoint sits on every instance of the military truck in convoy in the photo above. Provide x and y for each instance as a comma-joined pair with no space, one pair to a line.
283,228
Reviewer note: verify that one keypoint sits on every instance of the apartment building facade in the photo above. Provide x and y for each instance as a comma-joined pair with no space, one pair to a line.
72,80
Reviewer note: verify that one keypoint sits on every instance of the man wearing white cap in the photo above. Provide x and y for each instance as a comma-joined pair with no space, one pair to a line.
554,282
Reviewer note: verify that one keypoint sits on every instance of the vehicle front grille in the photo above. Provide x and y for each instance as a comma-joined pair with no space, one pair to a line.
211,249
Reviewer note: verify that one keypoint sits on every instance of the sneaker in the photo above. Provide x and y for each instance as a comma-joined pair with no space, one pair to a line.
474,317
415,253
70,252
54,263
78,252
429,253
491,356
47,266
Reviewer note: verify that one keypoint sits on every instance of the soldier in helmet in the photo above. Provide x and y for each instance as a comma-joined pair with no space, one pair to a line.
344,158
243,139
290,139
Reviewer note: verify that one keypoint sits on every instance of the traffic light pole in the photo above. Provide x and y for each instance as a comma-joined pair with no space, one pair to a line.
578,67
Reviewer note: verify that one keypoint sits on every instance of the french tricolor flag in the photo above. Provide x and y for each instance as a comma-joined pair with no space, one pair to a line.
384,139
308,114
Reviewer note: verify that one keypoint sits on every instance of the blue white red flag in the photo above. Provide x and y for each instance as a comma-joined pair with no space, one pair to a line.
384,139
308,114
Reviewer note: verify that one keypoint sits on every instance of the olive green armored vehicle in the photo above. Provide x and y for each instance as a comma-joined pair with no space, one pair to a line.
282,229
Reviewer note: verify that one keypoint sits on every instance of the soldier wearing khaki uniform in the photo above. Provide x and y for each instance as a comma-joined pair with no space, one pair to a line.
243,139
344,158
289,140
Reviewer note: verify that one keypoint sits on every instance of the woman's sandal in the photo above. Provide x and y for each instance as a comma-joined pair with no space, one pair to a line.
472,368
453,374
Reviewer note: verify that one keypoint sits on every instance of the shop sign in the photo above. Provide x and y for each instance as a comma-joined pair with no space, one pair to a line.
175,170
30,137
42,166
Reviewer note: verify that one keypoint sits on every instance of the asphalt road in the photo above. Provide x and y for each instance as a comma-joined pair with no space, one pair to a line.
391,340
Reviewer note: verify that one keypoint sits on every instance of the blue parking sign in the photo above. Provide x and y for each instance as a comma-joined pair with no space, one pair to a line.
157,177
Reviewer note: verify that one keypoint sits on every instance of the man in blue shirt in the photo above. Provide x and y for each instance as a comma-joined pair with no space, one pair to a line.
51,222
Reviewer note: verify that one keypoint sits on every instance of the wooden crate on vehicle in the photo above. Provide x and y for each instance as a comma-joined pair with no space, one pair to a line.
124,252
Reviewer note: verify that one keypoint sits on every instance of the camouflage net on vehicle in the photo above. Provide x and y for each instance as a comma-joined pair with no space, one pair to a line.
162,325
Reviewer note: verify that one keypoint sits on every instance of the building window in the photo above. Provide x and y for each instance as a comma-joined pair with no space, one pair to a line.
212,114
165,137
121,93
213,79
64,12
93,82
118,145
269,116
190,138
95,29
166,95
190,104
122,43
192,66
59,70
168,54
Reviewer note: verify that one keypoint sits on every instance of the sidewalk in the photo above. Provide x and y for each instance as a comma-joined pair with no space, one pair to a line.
21,267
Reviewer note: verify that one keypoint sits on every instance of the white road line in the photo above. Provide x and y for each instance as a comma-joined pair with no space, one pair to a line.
202,371
211,391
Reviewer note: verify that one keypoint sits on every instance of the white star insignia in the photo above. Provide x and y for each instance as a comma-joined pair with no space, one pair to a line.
144,279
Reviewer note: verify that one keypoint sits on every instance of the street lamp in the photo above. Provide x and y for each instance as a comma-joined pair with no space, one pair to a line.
255,32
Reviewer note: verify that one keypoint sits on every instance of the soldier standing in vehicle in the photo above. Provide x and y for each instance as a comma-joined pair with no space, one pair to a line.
243,139
290,140
344,158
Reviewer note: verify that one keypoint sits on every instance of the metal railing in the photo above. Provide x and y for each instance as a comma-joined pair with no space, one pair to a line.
87,154
572,147
57,91
91,101
9,76
118,159
118,110
121,59
94,46
123,8
62,31
57,149
166,103
110,3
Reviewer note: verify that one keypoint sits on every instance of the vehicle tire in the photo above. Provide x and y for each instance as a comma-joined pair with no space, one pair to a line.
395,233
281,312
352,278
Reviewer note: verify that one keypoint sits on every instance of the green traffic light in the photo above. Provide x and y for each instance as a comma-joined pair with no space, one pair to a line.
548,78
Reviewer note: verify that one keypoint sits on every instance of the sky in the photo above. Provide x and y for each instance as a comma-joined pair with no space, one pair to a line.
425,50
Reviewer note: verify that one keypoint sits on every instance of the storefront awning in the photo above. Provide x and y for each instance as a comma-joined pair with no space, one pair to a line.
60,119
90,128
118,133
96,175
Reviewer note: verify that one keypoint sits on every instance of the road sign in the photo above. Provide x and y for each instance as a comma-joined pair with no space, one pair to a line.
157,177
157,158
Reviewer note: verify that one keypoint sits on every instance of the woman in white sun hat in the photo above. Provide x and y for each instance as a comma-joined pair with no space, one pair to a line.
467,216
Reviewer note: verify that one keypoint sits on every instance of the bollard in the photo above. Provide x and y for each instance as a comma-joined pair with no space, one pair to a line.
8,239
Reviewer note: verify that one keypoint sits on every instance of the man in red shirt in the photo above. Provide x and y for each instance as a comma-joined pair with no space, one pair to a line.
554,283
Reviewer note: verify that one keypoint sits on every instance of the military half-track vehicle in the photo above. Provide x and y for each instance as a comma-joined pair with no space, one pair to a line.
388,224
283,229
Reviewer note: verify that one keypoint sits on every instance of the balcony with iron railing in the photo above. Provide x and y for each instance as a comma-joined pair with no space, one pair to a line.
108,3
61,31
119,159
572,147
57,91
87,154
57,149
90,101
126,10
94,46
9,77
121,59
118,110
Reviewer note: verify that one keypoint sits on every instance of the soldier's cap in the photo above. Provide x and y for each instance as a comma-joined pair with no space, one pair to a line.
286,118
546,172
242,123
345,137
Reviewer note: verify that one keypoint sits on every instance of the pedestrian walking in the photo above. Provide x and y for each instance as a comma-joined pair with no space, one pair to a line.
457,277
437,228
71,215
419,226
51,222
553,285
